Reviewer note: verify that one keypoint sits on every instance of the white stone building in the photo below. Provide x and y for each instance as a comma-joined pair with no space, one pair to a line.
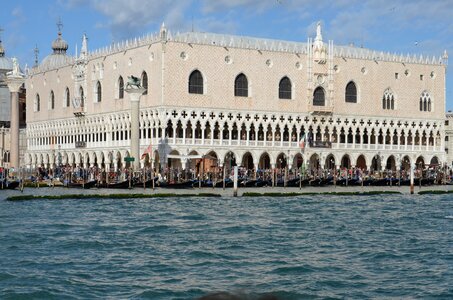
6,66
449,139
246,99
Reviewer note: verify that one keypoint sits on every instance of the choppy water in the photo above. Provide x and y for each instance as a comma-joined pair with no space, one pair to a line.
294,248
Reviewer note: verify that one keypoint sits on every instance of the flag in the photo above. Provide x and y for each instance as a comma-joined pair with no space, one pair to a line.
148,150
302,142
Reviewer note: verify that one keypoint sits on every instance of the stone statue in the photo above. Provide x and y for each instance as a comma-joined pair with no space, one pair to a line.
15,72
318,31
133,82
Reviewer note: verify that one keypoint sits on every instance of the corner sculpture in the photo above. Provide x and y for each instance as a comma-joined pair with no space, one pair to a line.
133,82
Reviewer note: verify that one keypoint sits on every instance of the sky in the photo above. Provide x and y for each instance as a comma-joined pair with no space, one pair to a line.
404,26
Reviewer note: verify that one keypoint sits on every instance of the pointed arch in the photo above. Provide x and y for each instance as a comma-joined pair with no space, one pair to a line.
351,92
98,92
319,98
67,97
285,88
388,100
425,101
120,87
145,82
52,100
82,96
196,82
241,86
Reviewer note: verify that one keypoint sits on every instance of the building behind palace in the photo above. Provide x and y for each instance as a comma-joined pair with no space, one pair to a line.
237,99
6,65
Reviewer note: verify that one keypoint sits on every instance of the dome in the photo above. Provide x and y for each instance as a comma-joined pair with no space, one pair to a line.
59,45
55,60
5,62
58,58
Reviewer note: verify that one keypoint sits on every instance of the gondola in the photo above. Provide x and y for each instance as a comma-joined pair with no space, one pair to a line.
87,185
293,182
9,185
116,185
261,183
148,183
249,183
177,185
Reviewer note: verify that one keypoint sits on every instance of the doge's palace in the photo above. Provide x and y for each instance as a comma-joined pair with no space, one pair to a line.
239,99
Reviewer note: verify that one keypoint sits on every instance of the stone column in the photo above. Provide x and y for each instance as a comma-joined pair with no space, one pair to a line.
15,81
135,94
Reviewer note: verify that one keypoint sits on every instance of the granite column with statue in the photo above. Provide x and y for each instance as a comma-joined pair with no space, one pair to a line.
15,79
135,91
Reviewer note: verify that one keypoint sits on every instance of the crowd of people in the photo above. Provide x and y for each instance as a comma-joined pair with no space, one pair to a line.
68,173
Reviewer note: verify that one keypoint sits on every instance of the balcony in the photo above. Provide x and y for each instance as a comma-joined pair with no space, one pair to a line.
80,144
320,144
320,110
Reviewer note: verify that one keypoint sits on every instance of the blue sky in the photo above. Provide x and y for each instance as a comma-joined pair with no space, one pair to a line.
405,26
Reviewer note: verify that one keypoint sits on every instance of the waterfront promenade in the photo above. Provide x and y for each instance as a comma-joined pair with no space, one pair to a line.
227,192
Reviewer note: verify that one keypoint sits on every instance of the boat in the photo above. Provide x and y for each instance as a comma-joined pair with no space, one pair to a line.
177,185
9,185
116,185
148,183
87,185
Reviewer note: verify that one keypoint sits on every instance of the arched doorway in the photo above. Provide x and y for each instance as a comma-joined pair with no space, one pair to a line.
265,162
345,162
281,161
314,162
361,162
376,163
298,161
330,162
420,163
434,162
247,161
229,161
405,163
391,164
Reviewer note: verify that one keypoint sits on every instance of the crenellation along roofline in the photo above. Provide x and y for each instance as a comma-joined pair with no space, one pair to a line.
252,43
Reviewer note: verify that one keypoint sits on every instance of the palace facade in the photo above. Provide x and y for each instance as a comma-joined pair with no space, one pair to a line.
234,99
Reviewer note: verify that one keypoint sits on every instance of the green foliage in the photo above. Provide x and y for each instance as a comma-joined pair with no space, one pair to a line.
108,196
435,192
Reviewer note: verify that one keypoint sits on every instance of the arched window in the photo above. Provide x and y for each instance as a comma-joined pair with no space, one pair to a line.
284,88
241,86
319,98
98,92
388,100
351,92
196,82
120,88
82,97
37,103
425,101
52,100
145,82
67,98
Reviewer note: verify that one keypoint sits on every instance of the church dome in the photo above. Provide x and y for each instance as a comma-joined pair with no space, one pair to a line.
5,62
58,57
59,45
